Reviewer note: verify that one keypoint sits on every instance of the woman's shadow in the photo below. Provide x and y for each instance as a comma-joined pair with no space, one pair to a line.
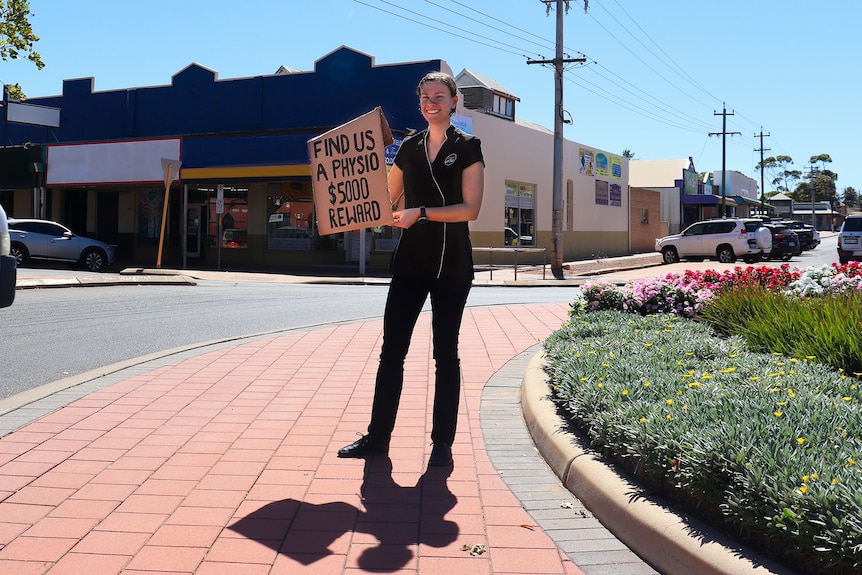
397,517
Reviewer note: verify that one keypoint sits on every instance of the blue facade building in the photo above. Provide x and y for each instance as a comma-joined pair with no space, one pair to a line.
242,193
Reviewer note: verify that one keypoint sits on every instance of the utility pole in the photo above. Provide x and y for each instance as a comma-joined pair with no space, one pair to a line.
761,135
557,204
723,133
813,171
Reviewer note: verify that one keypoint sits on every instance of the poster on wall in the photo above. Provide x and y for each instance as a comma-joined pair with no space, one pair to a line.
608,165
348,174
601,193
586,161
615,196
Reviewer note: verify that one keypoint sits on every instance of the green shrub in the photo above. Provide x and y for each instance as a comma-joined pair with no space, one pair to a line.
770,442
823,328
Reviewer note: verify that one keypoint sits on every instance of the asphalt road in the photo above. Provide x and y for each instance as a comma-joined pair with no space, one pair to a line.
51,334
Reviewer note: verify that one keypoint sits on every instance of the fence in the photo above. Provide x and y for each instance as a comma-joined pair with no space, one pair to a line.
514,251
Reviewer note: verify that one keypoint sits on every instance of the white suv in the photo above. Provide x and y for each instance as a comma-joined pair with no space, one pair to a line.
723,239
850,239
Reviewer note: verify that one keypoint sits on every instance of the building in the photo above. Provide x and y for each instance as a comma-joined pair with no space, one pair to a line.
231,159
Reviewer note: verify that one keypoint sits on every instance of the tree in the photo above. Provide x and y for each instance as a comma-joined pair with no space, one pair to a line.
850,197
17,39
628,154
821,182
780,174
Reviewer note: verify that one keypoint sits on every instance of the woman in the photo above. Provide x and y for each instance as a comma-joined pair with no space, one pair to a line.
439,173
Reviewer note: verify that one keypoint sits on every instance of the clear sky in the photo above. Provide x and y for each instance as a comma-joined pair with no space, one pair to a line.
657,73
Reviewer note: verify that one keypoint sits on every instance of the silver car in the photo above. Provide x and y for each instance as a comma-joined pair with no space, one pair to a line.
45,240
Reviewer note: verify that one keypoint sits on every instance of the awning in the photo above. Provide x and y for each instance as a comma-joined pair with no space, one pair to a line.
707,199
740,200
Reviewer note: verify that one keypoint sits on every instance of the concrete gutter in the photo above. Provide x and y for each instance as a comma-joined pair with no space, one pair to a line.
670,541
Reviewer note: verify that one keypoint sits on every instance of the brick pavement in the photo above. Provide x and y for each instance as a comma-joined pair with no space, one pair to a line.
222,460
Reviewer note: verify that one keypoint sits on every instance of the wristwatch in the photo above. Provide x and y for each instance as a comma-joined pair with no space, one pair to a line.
423,217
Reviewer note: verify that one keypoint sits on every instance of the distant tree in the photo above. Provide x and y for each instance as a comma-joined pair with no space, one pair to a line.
780,174
17,39
628,154
850,197
820,184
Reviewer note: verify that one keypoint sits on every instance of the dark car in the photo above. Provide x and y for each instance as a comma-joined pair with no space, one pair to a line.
809,238
785,241
45,240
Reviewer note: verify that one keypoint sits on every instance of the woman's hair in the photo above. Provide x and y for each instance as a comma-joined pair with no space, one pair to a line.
440,77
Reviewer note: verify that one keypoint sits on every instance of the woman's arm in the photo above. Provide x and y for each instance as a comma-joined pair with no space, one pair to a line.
472,189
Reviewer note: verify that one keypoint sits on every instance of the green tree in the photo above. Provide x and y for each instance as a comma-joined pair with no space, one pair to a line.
850,197
628,154
780,175
17,39
820,180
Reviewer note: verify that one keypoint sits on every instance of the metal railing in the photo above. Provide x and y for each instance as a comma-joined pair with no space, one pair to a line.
514,251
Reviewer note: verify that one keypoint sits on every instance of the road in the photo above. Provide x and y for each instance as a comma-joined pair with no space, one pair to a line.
51,334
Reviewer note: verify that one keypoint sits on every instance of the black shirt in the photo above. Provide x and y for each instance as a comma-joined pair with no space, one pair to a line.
435,249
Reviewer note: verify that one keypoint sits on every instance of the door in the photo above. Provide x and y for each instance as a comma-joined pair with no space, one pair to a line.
193,230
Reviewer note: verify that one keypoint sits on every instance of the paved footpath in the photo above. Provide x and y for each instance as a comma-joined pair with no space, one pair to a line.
221,460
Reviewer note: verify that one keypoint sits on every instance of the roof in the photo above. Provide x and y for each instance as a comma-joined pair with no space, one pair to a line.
656,173
469,79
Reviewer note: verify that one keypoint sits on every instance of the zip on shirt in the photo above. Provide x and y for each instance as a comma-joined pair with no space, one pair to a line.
439,191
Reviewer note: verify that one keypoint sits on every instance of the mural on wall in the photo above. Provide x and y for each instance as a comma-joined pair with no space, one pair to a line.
586,161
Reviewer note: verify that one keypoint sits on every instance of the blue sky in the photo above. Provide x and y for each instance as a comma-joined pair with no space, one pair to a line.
657,72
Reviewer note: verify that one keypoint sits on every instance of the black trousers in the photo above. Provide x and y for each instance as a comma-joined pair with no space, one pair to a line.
403,305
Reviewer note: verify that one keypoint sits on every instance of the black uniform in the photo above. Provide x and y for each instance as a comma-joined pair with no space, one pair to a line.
432,258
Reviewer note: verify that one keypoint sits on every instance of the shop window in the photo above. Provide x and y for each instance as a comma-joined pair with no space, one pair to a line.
519,217
290,216
231,227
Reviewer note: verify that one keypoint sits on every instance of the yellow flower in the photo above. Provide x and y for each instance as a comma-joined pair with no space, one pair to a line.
778,413
647,384
668,417
851,461
800,440
647,345
706,376
814,477
601,385
606,365
732,355
583,379
694,384
728,370
625,392
754,378
835,481
803,489
685,407
670,402
805,479
642,420
791,394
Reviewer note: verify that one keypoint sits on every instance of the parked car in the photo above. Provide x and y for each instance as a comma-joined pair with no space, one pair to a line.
45,240
809,236
785,241
850,239
513,239
723,239
8,265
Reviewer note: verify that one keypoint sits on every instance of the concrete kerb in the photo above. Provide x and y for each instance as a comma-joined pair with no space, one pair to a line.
672,543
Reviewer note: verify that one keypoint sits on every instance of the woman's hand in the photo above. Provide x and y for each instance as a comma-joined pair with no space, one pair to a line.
405,218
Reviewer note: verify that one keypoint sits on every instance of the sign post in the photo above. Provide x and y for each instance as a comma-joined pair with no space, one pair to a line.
170,167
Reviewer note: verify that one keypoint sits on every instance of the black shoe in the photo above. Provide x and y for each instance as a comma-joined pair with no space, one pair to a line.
441,454
363,447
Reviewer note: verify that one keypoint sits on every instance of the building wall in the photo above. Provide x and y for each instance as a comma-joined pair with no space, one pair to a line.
644,233
524,153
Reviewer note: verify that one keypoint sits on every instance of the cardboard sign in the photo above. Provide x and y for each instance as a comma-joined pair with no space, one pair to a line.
348,174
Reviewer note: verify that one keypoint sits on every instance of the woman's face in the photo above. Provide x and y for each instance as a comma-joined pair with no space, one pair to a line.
436,101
